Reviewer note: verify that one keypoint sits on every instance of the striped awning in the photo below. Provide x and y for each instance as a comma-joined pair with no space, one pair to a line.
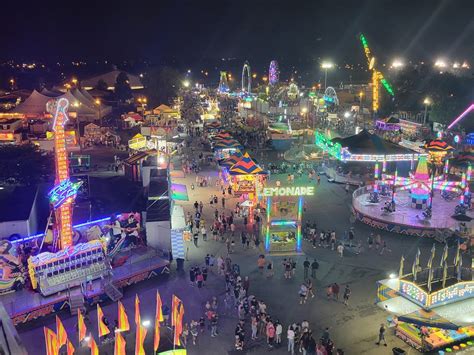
246,166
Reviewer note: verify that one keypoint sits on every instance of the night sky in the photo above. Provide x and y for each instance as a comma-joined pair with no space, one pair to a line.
292,31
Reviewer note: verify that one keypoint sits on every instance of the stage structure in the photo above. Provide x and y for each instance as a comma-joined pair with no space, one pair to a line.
284,209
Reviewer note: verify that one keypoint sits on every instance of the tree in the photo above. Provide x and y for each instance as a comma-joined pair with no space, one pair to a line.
101,85
26,164
162,85
123,92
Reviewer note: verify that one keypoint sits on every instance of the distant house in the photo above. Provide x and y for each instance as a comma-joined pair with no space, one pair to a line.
18,211
110,79
10,130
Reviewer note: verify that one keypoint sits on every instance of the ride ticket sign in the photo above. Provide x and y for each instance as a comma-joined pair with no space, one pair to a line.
288,191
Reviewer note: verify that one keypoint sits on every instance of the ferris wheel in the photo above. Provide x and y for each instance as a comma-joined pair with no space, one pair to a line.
246,86
330,96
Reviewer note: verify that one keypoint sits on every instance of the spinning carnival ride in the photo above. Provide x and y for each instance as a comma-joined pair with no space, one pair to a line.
273,73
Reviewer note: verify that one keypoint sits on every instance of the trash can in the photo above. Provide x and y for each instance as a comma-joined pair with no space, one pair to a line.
398,351
179,264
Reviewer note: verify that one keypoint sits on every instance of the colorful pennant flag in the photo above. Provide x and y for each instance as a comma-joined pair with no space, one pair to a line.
140,339
94,347
61,333
51,341
158,318
81,326
137,310
120,344
122,318
159,305
174,310
70,348
178,329
103,329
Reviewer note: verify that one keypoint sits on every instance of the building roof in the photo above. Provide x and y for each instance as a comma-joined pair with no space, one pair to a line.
246,166
80,102
16,202
110,79
367,143
158,211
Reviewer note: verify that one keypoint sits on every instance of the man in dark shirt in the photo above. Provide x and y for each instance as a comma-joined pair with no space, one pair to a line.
314,267
306,265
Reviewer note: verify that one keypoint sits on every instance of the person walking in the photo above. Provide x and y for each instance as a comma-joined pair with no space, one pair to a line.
382,335
270,334
340,249
253,325
214,319
204,233
335,291
347,188
223,201
194,331
347,294
303,292
278,331
196,237
306,265
314,267
309,285
290,335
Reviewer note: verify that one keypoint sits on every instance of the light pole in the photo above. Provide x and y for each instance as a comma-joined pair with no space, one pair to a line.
97,102
326,66
426,102
143,101
361,106
76,106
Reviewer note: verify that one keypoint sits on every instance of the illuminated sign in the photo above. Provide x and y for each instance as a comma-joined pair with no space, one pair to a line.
288,191
413,292
7,137
452,294
323,142
62,192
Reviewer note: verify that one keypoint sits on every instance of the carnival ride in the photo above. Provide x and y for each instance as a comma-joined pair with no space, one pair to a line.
330,96
377,76
223,87
246,74
429,307
273,73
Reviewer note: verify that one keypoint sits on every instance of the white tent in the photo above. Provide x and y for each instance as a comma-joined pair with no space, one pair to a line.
110,79
80,103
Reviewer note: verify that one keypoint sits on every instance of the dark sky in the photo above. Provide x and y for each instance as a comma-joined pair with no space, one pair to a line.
259,30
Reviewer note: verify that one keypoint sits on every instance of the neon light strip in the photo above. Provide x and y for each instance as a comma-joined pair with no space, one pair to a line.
283,223
461,116
267,235
298,232
31,237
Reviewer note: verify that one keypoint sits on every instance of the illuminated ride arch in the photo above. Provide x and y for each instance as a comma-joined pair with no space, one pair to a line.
330,96
246,87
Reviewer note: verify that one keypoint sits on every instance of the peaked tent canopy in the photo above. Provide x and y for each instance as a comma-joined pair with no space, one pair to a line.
222,135
35,104
233,159
367,143
227,144
110,79
438,145
246,166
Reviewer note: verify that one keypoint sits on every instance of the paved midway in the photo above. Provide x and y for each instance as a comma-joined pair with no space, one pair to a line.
353,328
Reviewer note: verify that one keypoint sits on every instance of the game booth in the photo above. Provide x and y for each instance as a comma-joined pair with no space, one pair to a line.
431,308
284,215
71,265
246,178
223,148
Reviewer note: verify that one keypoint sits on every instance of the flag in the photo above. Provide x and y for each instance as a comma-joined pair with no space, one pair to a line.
158,318
137,310
445,273
444,257
120,344
178,329
122,318
430,261
458,255
459,271
51,340
81,326
400,271
159,304
94,348
174,309
70,348
103,329
430,278
414,268
61,333
139,340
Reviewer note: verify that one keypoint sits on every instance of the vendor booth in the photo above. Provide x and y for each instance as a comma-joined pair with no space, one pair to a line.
246,177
